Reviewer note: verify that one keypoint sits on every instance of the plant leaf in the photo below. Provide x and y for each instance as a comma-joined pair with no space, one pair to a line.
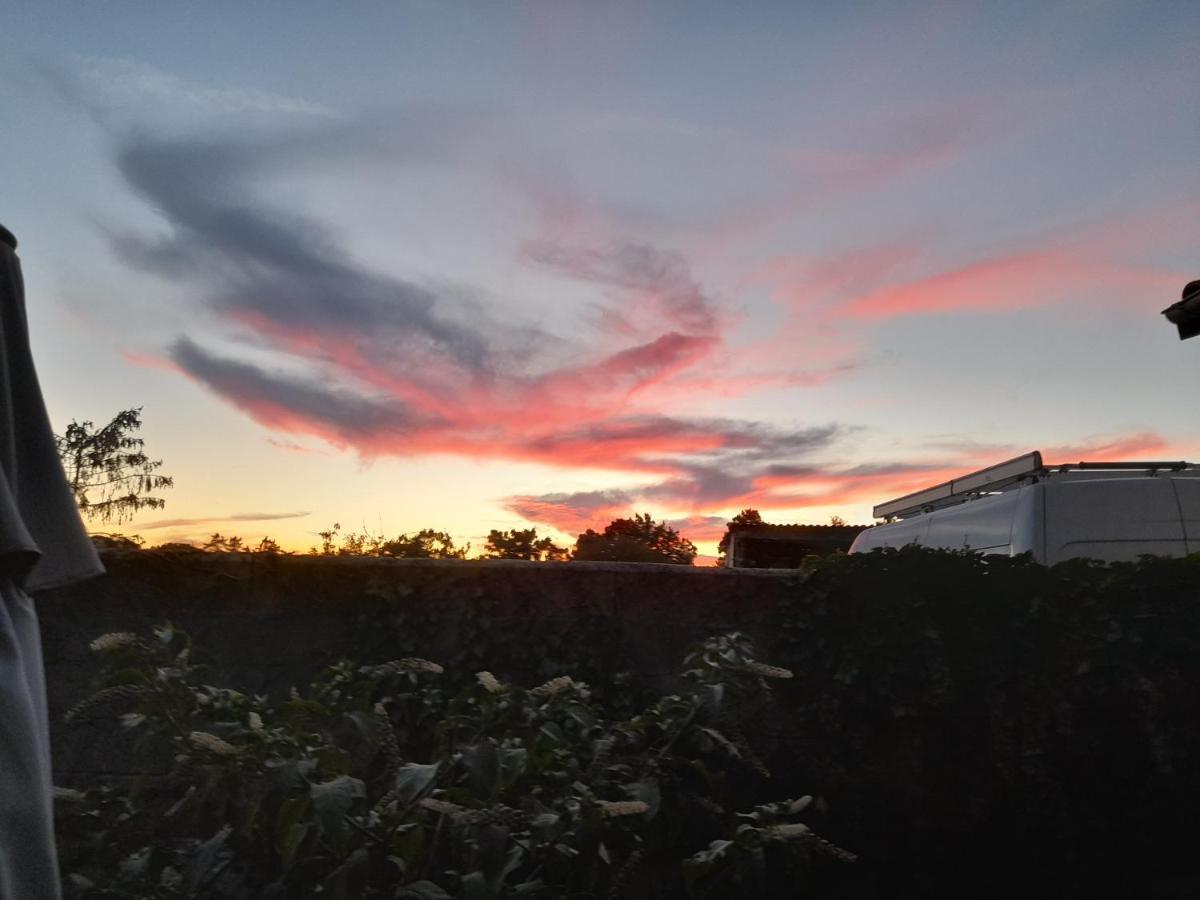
422,890
413,780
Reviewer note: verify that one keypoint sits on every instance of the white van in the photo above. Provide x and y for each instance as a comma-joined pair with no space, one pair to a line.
1104,511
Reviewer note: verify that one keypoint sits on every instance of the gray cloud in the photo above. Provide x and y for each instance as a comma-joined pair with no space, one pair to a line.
274,398
712,438
659,277
283,268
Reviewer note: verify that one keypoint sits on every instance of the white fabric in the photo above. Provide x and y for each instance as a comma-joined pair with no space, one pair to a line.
42,545
42,541
28,861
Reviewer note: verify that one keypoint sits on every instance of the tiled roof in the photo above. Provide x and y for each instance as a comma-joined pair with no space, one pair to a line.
798,530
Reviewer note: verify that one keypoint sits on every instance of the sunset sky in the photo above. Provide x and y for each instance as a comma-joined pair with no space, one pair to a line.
494,265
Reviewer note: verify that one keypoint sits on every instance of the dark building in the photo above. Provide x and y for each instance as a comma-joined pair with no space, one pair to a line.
785,546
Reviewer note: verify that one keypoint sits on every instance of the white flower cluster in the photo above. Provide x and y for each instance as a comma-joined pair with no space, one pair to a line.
768,671
489,683
112,641
553,686
255,721
611,808
202,740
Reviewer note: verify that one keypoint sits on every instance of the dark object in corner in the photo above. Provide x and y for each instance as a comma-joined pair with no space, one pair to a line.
1185,314
8,237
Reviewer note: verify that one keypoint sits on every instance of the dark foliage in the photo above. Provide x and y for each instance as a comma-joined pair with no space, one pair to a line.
382,781
972,714
639,539
522,544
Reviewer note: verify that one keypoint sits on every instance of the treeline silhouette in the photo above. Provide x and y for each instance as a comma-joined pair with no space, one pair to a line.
636,539
113,478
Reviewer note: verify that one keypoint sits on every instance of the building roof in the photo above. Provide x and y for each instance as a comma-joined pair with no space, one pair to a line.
783,531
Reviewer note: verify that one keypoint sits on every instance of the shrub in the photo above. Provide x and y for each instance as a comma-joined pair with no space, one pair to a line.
386,780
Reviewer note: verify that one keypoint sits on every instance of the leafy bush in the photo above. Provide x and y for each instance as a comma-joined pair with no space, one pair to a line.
385,781
640,539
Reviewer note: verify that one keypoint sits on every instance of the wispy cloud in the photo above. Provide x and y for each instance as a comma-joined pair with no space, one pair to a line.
1108,260
213,520
109,87
384,365
655,284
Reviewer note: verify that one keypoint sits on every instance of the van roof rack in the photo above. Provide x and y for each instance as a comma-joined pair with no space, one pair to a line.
999,477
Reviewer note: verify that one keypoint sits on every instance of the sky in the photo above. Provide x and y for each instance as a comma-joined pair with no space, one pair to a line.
544,264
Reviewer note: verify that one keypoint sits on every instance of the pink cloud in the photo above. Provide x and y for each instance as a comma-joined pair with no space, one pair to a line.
572,514
1010,282
149,360
1113,263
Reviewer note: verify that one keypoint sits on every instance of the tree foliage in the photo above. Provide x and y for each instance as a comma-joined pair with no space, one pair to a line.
109,472
219,543
522,544
639,539
745,517
424,544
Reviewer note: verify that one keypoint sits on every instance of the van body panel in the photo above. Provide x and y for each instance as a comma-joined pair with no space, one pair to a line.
1105,516
1029,521
980,524
1187,490
1112,519
895,535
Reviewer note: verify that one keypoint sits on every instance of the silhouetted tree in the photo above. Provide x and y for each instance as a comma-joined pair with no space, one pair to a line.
117,541
328,541
522,544
108,471
218,543
425,544
639,539
745,517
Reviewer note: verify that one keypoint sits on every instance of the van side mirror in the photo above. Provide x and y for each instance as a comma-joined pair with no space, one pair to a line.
1185,315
